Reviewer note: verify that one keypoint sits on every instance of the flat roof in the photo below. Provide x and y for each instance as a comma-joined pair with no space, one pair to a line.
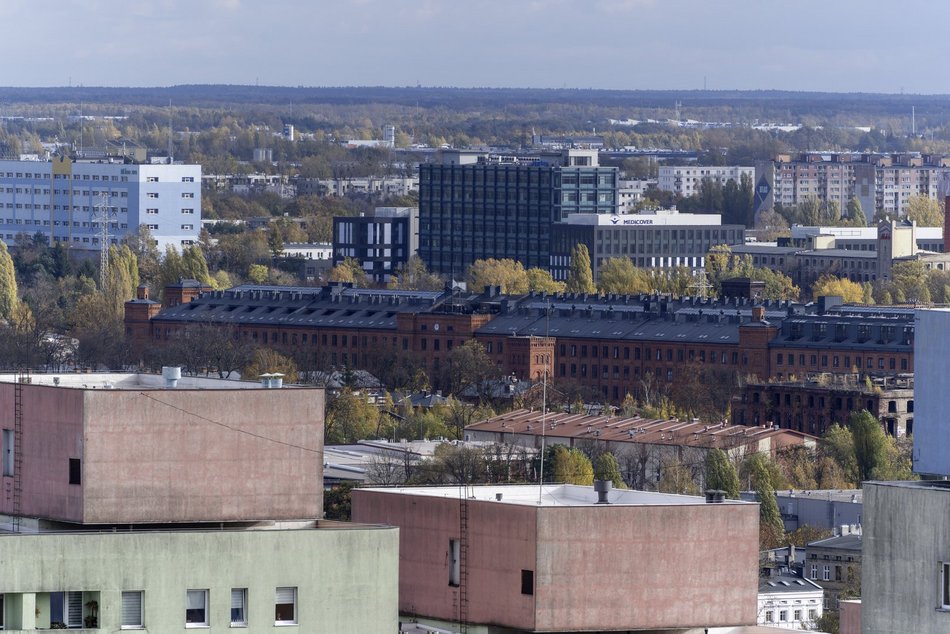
132,381
549,495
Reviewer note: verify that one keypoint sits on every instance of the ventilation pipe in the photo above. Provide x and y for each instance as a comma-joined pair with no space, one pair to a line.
602,487
171,374
715,496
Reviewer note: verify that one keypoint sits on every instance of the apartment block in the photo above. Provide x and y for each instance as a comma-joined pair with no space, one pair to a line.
686,180
68,200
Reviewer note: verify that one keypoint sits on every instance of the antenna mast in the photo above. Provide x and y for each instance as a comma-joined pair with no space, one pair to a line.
701,284
171,161
103,214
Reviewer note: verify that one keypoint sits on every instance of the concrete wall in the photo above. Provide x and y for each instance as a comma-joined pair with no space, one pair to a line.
906,536
932,391
595,568
501,545
52,434
156,455
167,455
345,578
647,567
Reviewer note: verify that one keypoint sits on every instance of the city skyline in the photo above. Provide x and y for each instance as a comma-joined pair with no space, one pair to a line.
603,44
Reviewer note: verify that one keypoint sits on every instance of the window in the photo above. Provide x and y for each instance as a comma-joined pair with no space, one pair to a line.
769,616
75,471
187,179
797,615
196,608
8,450
152,227
945,586
826,573
238,606
454,562
151,211
814,571
132,610
152,195
187,227
285,612
783,615
187,211
72,609
527,582
187,195
151,179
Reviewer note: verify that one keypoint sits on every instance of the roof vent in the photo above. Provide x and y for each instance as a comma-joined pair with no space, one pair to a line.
602,487
715,496
171,374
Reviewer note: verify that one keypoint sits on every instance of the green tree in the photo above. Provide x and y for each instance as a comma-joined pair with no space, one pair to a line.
837,444
572,466
580,278
350,418
721,473
122,277
619,275
856,215
257,273
870,444
8,286
771,527
606,468
925,211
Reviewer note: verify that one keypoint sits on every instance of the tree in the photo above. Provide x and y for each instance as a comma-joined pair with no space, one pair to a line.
505,273
771,226
257,273
925,211
870,444
572,466
721,473
606,468
856,215
580,278
619,275
266,360
851,292
540,281
676,477
8,287
469,368
349,271
771,527
350,418
809,211
837,445
413,275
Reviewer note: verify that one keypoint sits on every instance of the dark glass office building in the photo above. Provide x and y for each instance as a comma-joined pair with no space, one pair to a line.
474,206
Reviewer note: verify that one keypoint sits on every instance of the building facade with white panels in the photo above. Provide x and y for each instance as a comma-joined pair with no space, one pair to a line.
64,201
687,180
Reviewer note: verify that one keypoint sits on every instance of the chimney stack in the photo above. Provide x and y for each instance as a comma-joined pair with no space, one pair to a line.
602,487
758,314
715,496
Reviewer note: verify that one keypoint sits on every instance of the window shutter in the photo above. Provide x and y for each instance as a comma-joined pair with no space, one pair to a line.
196,600
74,609
285,595
131,608
237,599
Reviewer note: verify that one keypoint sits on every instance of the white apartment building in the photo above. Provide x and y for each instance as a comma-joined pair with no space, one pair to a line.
686,180
789,603
66,200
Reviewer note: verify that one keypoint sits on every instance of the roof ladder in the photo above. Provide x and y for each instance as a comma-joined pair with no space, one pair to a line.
463,560
21,378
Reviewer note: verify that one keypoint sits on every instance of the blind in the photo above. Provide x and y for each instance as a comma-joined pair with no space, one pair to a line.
237,599
132,608
196,600
286,595
74,609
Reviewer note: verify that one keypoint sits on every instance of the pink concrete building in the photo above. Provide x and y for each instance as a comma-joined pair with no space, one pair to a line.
125,449
529,559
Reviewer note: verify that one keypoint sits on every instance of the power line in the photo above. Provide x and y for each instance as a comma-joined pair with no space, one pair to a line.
229,427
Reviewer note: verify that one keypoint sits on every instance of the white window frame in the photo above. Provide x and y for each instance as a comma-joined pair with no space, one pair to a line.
130,595
782,616
203,594
239,597
826,573
814,571
281,599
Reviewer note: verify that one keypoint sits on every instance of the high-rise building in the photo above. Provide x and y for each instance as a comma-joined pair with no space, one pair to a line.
66,200
475,205
381,243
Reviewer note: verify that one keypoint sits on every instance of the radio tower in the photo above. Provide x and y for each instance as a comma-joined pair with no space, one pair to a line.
103,214
701,284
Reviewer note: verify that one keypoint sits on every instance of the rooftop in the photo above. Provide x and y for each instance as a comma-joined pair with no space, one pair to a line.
839,542
550,495
788,584
632,429
130,381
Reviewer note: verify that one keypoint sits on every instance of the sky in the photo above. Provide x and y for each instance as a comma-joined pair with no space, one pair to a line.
827,45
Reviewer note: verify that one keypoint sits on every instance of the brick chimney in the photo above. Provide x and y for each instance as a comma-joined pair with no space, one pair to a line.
758,314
